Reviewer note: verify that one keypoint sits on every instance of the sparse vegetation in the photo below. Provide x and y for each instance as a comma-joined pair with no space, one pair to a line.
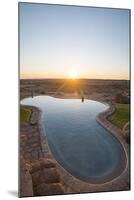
98,89
122,99
121,115
25,114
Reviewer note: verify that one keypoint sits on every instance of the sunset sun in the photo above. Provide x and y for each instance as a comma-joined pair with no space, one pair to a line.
73,75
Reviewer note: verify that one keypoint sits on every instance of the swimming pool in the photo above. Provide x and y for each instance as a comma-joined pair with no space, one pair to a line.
81,145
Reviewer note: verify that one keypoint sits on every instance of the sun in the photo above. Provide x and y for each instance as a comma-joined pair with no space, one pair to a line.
73,75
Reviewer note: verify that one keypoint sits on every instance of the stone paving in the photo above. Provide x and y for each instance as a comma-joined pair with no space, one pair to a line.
38,174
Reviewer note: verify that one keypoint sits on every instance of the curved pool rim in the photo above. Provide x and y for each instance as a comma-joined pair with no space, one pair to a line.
102,180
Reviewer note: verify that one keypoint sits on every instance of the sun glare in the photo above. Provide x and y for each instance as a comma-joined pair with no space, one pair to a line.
73,75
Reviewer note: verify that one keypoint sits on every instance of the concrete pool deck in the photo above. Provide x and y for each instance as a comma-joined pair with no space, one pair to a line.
70,183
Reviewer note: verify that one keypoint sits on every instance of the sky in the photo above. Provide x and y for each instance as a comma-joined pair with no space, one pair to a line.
63,41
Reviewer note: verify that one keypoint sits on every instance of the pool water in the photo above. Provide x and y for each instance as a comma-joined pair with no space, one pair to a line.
81,145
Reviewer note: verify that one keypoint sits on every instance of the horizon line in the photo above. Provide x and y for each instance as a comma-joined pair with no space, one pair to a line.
74,79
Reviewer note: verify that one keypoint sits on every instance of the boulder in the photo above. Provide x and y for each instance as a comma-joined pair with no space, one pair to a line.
34,167
47,163
48,189
37,178
50,175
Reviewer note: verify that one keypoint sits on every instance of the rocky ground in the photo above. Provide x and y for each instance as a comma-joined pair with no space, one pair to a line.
105,90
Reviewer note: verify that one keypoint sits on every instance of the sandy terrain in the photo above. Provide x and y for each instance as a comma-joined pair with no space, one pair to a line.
105,90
